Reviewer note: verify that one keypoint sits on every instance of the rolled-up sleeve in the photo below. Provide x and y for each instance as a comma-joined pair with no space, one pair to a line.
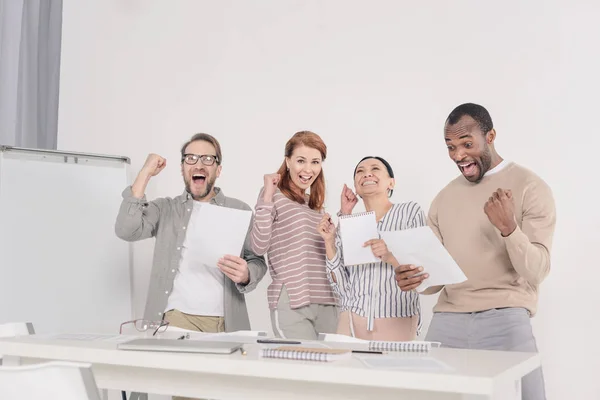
338,260
137,219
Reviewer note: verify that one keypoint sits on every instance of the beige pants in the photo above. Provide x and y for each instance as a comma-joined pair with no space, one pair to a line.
391,329
198,323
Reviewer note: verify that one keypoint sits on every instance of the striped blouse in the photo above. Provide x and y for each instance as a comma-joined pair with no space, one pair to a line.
370,290
287,232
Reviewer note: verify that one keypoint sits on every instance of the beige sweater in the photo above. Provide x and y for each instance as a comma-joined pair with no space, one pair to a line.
501,271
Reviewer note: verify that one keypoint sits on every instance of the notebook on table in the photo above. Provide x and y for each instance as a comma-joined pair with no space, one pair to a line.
306,353
410,346
180,346
355,230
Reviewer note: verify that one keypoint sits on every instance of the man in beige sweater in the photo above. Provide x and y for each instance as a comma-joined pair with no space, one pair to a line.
497,221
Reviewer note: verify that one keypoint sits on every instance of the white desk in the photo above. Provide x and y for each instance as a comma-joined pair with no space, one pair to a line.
474,375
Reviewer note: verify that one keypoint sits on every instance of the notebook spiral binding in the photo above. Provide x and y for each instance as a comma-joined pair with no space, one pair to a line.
360,214
418,347
296,355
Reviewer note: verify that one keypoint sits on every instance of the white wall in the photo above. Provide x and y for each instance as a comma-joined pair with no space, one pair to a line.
376,77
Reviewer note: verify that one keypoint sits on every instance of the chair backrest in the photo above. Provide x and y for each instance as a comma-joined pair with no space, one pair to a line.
16,329
12,329
55,380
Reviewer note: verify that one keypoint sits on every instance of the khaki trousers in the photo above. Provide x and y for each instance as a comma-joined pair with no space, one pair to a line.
198,323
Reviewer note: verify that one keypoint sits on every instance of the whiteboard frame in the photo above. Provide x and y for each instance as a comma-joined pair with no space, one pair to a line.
66,154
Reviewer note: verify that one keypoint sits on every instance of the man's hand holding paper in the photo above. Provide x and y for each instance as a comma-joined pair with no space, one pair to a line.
235,268
418,250
409,277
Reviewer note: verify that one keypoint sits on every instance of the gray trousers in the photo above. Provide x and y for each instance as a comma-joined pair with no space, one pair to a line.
302,323
507,329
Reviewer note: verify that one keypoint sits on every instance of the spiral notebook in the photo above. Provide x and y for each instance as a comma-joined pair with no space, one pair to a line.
306,353
355,230
414,346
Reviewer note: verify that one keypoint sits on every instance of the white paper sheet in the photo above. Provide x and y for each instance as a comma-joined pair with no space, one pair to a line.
420,247
355,230
219,231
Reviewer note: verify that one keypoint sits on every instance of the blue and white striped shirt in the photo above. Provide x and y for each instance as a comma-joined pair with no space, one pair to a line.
370,290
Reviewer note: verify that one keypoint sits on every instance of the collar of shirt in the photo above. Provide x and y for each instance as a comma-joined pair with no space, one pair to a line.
218,199
497,168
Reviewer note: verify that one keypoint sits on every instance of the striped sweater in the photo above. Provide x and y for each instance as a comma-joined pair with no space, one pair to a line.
287,232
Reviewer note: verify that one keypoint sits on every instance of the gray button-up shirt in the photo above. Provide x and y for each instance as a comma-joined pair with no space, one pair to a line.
166,219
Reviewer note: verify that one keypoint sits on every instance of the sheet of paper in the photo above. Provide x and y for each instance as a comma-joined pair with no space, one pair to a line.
355,230
217,232
420,247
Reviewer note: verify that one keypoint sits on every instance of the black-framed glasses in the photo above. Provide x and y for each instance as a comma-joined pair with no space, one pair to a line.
142,325
206,159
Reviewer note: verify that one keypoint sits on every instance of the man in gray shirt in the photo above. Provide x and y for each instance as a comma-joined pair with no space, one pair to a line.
183,289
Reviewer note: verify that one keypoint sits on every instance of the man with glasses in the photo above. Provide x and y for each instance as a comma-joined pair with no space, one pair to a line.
184,290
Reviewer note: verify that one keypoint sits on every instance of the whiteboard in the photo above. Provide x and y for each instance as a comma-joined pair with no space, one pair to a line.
61,266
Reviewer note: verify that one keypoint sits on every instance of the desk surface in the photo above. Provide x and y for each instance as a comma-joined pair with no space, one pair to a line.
471,371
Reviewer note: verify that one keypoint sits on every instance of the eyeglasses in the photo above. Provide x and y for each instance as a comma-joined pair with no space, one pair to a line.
192,159
142,325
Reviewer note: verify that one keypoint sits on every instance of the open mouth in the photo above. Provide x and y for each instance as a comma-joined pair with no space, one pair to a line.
199,178
305,179
468,168
369,183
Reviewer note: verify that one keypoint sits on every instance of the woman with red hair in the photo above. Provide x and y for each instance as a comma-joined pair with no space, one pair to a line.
300,297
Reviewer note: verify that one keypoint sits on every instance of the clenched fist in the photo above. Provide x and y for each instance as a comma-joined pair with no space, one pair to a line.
154,164
271,181
500,210
349,200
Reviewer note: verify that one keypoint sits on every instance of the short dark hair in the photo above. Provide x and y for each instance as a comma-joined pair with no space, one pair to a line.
475,111
206,138
385,163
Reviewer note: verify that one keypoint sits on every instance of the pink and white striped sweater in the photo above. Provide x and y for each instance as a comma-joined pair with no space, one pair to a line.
287,232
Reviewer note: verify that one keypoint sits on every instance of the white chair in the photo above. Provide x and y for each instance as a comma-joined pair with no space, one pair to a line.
49,381
16,329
